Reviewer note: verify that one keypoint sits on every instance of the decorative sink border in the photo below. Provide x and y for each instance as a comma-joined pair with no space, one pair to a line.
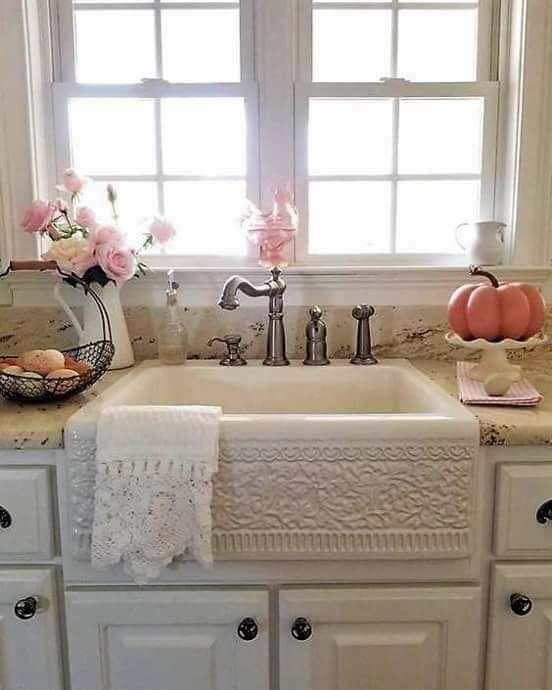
305,499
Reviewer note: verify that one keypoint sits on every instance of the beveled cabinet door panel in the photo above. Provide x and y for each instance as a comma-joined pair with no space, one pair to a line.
380,638
520,631
171,640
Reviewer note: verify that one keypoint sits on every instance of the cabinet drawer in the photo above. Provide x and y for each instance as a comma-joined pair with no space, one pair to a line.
26,526
522,490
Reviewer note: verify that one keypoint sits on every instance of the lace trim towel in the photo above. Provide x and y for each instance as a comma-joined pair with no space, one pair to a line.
154,469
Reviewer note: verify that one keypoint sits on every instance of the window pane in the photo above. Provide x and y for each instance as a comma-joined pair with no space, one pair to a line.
112,136
204,136
438,45
201,45
430,211
440,136
350,136
349,217
351,45
136,202
114,46
207,215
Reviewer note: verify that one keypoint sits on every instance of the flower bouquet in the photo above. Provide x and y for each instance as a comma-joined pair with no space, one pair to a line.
97,253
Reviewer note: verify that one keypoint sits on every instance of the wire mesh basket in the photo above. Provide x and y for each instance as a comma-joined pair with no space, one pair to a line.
92,359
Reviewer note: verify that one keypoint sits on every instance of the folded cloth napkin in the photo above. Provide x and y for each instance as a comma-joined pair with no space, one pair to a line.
521,393
154,469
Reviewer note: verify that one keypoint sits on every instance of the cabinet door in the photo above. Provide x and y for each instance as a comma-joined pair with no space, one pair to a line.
172,639
29,639
520,632
380,638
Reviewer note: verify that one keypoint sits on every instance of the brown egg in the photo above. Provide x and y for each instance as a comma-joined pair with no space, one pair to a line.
42,361
76,365
62,374
11,369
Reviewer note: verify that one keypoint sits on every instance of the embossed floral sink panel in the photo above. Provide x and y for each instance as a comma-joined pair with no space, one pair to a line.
325,463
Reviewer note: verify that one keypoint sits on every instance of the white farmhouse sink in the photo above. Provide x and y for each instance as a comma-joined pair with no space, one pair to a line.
315,462
391,388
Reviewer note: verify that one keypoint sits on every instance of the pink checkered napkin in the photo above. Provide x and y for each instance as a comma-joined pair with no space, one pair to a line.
521,393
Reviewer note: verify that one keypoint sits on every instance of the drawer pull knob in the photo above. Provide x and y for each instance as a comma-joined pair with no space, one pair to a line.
5,518
520,604
544,513
248,629
26,608
301,629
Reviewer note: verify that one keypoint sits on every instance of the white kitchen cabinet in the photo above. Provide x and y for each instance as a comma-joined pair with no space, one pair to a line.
520,653
381,638
26,521
29,639
171,639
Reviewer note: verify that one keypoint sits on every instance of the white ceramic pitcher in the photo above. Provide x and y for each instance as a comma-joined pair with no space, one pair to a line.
484,244
91,328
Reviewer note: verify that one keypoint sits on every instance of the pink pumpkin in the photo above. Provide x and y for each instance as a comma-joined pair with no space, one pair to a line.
495,312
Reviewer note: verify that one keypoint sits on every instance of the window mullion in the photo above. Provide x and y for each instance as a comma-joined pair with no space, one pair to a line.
394,39
394,172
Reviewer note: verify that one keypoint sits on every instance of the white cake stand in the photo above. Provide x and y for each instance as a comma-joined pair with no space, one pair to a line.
493,357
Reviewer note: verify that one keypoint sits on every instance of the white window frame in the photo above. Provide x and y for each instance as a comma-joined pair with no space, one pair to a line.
393,87
524,170
65,87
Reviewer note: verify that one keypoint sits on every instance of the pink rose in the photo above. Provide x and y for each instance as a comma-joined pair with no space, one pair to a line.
162,230
39,216
73,182
85,217
119,264
108,234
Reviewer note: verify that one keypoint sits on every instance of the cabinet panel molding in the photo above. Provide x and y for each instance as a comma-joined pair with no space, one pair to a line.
424,638
175,639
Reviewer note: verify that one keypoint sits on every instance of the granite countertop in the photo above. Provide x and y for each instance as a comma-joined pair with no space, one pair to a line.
500,425
41,426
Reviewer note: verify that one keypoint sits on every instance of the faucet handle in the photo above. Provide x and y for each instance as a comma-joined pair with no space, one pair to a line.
233,357
363,353
363,311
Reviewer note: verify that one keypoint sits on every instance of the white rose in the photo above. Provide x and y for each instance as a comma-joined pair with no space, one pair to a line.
73,254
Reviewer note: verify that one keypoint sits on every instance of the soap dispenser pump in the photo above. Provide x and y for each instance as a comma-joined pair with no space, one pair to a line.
173,337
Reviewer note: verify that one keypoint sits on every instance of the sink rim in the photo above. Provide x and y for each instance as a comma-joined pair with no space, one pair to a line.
451,419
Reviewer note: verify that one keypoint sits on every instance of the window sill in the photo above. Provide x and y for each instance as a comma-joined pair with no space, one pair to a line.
326,285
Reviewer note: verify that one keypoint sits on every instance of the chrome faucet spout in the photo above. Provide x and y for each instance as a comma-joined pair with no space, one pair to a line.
273,289
229,297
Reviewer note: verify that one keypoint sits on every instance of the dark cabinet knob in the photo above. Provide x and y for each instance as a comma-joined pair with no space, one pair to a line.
248,629
26,608
5,518
544,513
520,604
301,629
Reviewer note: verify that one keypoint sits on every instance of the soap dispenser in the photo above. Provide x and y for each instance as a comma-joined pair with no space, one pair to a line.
173,337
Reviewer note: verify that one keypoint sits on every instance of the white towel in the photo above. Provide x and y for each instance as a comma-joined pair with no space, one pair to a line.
154,487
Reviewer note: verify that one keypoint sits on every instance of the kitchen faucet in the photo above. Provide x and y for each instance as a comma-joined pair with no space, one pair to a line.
273,289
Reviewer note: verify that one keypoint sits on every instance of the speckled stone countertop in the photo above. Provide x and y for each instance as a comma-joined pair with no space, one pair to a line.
505,426
41,426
